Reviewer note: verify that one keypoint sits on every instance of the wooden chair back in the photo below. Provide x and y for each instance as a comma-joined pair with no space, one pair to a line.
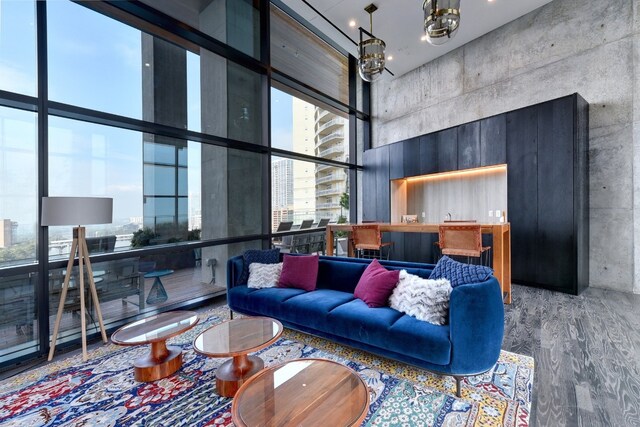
366,236
465,240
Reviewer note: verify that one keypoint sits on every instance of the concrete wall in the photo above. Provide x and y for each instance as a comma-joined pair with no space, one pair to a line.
586,46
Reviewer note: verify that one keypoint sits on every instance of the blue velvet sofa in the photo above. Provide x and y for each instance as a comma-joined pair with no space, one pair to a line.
468,345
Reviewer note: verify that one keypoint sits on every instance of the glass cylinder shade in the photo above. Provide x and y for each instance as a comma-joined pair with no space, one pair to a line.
371,60
441,20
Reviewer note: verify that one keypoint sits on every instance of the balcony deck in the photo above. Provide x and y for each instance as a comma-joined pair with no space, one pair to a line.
182,285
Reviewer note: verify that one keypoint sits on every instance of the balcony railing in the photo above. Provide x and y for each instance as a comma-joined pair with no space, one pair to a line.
320,114
322,168
332,135
329,191
327,205
332,122
331,177
337,149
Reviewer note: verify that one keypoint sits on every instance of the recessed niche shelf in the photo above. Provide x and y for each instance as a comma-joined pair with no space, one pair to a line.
465,194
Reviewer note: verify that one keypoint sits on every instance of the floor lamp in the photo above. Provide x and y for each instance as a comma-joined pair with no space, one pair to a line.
73,211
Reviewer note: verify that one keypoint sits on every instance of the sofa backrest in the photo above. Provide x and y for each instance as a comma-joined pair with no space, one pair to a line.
342,274
338,273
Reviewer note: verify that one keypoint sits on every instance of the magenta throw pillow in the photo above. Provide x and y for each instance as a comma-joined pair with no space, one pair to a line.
376,284
299,272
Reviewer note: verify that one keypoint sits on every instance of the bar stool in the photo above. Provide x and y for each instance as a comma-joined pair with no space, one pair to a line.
367,241
463,240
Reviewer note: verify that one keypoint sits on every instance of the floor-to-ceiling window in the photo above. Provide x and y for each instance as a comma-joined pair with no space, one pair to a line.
162,106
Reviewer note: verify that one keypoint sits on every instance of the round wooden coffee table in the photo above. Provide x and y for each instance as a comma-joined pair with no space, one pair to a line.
309,392
236,338
162,360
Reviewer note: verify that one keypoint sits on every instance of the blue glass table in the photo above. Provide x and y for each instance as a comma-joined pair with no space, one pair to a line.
157,294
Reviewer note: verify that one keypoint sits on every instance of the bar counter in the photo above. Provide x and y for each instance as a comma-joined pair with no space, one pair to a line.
501,245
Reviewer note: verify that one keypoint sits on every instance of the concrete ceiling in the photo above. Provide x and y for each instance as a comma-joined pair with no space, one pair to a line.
399,23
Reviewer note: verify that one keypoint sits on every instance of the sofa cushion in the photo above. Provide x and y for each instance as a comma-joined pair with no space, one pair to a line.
376,284
311,309
270,256
389,329
299,272
267,302
424,299
339,275
459,273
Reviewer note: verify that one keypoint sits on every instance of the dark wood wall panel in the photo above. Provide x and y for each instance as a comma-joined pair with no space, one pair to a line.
522,191
469,145
369,196
428,154
447,150
493,140
412,157
396,161
382,188
555,238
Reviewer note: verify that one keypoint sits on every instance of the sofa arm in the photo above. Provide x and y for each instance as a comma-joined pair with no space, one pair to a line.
234,271
476,322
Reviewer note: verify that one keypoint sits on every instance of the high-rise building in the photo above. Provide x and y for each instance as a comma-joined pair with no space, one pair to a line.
331,142
6,233
281,191
304,183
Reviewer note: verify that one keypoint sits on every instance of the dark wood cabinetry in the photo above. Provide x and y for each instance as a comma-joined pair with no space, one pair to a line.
447,150
545,149
522,190
469,145
493,140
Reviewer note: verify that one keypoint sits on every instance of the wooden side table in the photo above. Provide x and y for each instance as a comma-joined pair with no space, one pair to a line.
308,392
237,338
162,360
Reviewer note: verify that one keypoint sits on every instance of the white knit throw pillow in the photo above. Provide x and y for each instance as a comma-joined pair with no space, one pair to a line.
264,275
423,299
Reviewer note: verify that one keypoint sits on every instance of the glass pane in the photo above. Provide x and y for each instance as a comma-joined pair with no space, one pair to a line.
18,314
127,287
302,127
99,63
234,22
148,208
304,191
94,61
18,187
18,47
159,180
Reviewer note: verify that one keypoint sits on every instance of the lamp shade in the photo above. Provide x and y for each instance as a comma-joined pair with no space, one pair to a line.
76,210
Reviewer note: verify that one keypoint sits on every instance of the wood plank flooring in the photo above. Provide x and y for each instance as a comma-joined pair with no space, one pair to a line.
587,355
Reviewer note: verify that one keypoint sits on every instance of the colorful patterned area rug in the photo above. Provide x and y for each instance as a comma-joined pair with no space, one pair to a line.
103,392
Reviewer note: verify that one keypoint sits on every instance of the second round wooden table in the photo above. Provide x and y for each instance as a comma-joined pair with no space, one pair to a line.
237,338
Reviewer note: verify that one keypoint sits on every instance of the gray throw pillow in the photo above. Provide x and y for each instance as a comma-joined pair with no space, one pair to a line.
264,275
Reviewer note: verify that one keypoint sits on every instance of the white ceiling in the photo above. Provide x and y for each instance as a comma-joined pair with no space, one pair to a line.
399,23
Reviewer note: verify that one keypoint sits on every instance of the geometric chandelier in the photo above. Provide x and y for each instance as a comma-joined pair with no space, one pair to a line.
441,20
370,51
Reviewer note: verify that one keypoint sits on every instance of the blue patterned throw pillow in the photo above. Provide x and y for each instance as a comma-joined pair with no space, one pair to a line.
269,256
459,273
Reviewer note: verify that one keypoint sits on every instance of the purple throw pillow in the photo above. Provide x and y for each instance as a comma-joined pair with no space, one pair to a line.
299,272
376,284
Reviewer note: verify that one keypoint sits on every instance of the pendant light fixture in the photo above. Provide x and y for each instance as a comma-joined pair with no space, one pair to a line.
370,51
441,20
